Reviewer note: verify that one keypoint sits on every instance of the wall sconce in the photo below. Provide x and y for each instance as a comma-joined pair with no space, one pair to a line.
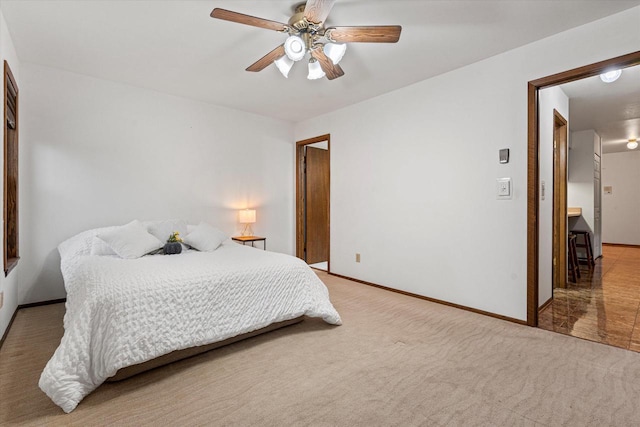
247,217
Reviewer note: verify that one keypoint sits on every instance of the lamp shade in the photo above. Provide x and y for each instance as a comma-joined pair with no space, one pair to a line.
247,216
295,48
284,64
315,70
335,51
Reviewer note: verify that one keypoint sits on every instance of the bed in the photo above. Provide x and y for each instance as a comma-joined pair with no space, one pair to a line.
127,315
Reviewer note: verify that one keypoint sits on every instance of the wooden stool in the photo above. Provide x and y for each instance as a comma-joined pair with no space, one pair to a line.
572,258
586,245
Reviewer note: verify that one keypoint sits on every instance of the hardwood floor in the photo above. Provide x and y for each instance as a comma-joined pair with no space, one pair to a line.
604,305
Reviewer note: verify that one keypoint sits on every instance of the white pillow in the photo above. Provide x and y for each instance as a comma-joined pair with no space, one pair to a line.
131,240
163,229
205,238
99,247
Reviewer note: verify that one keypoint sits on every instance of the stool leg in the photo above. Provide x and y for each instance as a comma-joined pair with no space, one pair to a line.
572,270
575,257
590,260
572,260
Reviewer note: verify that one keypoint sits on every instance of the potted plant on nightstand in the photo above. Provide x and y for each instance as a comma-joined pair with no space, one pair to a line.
173,245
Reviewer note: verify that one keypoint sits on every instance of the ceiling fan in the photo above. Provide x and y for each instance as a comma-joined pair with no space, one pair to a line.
307,33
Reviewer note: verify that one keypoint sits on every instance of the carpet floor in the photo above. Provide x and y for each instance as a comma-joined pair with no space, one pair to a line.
396,361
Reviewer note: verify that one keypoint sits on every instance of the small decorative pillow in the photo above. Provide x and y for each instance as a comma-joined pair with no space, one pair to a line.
205,238
131,240
163,229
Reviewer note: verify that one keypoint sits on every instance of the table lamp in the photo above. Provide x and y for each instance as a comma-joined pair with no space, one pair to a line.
247,217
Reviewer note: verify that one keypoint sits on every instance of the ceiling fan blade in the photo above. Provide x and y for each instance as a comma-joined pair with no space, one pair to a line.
372,34
268,59
316,11
332,70
240,18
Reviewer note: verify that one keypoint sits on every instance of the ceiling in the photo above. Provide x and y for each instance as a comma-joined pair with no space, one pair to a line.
176,48
611,109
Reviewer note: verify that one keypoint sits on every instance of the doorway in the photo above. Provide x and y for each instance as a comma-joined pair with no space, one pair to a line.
533,193
312,201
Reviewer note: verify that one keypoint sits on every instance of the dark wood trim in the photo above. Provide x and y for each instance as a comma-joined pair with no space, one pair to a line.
624,61
533,179
6,331
533,162
450,304
38,304
559,206
20,307
10,265
300,194
10,262
546,304
621,245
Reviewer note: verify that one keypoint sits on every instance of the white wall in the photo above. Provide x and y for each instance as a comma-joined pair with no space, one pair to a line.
413,185
580,186
550,99
621,208
97,153
9,284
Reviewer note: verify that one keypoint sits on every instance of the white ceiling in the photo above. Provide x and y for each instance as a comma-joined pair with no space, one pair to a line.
611,109
175,47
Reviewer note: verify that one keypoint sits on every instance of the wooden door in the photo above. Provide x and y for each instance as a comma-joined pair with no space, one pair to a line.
316,205
559,201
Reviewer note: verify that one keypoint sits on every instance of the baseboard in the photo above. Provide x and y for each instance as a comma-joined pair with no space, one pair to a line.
450,304
621,245
545,305
20,307
6,331
38,304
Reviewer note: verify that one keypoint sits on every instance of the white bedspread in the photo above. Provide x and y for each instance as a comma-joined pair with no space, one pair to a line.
124,312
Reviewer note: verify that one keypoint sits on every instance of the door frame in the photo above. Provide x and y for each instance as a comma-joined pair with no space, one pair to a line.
533,163
300,145
560,159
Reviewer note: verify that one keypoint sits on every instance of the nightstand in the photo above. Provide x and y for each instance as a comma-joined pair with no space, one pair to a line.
253,239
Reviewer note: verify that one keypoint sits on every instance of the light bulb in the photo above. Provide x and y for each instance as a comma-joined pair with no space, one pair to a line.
632,144
610,76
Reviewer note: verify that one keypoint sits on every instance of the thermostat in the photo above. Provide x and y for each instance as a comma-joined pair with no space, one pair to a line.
504,155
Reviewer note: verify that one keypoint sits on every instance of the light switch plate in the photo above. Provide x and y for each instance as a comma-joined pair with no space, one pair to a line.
504,189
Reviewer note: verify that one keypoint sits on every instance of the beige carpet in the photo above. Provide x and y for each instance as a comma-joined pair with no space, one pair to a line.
396,360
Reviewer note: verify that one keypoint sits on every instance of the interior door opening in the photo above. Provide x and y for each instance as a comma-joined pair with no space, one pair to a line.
312,204
535,196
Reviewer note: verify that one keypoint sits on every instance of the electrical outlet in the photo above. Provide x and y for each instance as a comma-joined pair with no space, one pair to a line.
357,257
504,188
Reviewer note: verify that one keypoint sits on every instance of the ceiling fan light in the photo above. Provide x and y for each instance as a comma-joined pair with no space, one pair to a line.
335,51
315,70
610,76
294,47
632,144
284,64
